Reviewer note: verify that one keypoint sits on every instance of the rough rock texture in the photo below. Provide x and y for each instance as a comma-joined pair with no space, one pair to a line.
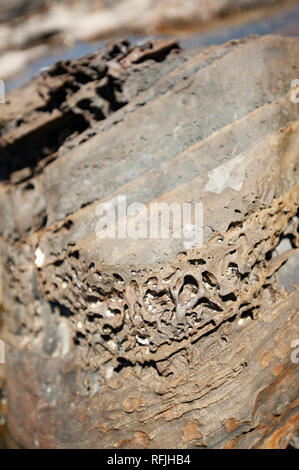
139,343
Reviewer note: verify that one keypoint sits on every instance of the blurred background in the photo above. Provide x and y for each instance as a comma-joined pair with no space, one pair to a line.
34,34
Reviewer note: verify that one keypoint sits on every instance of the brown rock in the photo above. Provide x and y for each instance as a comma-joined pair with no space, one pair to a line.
131,403
194,334
141,439
192,432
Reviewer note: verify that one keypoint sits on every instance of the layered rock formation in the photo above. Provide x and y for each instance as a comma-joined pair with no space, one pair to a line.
144,343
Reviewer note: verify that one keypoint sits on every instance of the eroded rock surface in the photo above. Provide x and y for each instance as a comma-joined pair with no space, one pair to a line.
139,343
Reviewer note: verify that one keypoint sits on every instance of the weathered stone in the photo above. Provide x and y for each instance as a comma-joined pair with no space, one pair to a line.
139,343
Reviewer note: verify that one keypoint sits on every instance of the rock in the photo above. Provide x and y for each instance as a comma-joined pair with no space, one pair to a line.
147,342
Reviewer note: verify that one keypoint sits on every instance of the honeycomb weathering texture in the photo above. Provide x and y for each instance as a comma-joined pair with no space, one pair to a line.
139,343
